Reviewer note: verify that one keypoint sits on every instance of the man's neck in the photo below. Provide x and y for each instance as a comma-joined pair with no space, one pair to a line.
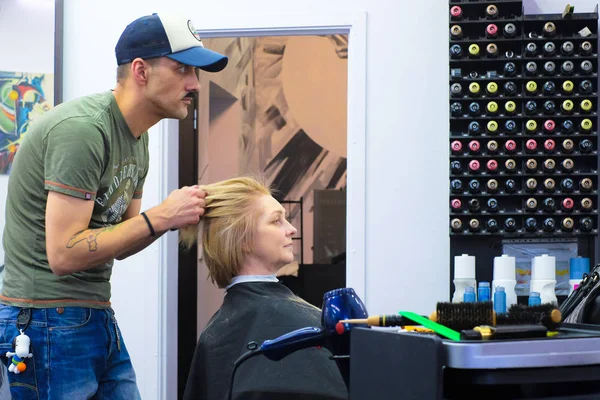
135,111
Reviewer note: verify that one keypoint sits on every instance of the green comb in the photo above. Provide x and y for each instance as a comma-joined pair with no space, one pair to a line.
434,326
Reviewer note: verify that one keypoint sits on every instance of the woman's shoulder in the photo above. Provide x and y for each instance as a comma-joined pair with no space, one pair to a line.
250,304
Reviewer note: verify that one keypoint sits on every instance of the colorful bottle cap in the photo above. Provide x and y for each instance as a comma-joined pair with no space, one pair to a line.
578,266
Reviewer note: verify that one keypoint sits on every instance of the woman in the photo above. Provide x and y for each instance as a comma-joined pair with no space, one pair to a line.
246,239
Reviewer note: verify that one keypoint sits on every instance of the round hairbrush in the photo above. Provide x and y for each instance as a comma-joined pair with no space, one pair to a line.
459,316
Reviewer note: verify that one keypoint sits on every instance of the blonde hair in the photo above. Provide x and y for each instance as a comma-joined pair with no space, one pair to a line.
227,226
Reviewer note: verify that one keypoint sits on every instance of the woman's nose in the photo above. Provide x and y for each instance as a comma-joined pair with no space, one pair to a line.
292,231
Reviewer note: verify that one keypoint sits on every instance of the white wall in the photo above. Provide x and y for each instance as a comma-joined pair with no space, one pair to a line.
24,50
407,255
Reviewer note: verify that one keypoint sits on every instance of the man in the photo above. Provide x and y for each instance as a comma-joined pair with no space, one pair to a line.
73,206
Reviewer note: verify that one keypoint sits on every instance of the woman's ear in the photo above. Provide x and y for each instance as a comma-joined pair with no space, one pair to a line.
246,246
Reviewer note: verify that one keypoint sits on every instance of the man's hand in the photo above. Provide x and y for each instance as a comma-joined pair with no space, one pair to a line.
183,207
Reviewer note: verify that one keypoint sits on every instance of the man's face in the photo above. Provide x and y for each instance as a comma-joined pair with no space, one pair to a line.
171,87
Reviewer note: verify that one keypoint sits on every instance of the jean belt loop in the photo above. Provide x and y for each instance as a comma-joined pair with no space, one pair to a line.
23,319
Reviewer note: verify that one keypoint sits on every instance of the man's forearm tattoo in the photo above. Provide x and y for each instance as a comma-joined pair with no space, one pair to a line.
90,236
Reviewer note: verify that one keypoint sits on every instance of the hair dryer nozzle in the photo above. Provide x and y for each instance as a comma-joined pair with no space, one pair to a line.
278,348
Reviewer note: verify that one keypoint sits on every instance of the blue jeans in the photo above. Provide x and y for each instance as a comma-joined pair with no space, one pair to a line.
78,353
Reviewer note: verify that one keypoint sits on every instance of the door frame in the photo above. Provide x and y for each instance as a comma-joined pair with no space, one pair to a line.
355,25
245,25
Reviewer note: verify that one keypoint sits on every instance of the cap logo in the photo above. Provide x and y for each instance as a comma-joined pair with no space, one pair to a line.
193,30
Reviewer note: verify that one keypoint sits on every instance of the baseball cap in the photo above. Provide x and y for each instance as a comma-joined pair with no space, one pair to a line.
165,35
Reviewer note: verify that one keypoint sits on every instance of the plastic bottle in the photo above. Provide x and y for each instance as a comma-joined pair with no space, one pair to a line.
505,276
500,300
464,276
483,293
577,267
469,294
534,299
543,278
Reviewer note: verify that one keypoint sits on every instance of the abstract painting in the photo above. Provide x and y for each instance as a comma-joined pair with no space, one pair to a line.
23,97
293,93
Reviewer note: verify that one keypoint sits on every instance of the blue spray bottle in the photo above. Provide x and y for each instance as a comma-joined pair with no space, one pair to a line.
483,293
469,295
500,300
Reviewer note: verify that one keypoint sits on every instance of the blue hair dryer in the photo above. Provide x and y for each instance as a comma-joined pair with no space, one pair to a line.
338,304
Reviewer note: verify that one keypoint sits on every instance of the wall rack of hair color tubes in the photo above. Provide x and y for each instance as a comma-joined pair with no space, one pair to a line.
523,98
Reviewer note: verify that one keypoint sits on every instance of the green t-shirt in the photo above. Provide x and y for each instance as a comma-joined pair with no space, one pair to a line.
82,148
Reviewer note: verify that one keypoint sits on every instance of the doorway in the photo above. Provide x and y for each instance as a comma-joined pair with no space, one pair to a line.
228,102
279,111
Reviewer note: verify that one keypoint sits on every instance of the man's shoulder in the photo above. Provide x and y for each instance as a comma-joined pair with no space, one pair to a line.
85,113
90,108
89,105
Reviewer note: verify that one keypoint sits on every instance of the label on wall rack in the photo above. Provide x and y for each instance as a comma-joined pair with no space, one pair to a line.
524,254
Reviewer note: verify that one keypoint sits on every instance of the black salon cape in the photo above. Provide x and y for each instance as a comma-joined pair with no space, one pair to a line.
256,311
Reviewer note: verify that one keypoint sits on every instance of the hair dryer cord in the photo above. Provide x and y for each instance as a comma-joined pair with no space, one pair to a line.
253,350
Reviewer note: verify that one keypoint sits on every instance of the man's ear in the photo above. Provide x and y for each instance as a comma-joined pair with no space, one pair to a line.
140,70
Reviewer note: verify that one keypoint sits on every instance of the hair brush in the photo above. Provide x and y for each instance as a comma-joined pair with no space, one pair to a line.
459,316
466,316
545,314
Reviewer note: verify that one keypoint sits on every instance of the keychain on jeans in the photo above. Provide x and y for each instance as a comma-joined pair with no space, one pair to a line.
21,344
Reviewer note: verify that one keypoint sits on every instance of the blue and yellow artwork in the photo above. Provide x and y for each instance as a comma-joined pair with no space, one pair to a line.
23,97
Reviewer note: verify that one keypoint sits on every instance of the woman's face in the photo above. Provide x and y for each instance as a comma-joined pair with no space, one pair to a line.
273,237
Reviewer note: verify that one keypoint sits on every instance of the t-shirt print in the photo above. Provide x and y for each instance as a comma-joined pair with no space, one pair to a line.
112,202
